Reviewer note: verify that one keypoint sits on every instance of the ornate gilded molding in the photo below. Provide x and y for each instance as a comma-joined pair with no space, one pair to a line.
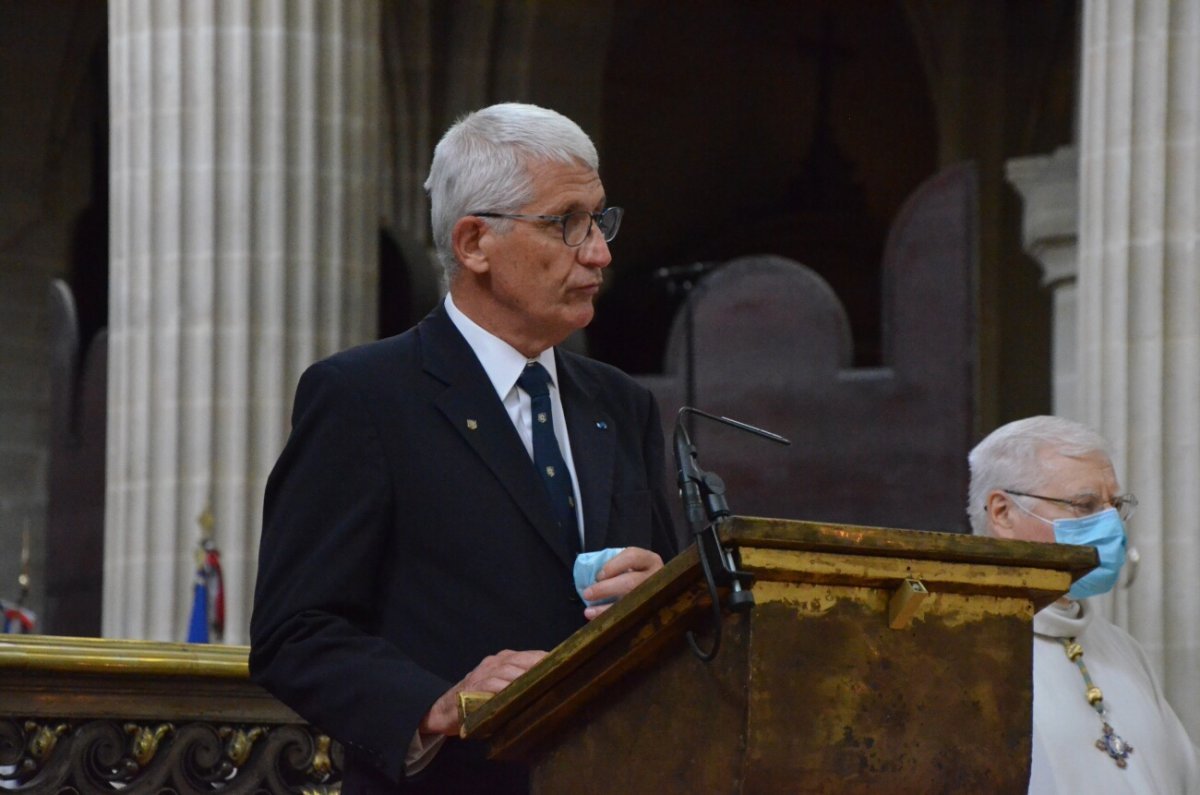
101,756
92,715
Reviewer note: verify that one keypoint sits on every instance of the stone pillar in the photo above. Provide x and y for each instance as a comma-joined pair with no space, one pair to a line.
243,247
1139,306
1049,188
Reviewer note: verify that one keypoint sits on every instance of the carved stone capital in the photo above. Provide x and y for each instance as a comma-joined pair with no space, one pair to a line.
1049,187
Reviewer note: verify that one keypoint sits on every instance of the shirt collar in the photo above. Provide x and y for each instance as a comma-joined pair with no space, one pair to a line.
502,362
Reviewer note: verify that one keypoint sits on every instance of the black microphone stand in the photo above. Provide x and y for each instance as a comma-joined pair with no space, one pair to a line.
681,280
705,508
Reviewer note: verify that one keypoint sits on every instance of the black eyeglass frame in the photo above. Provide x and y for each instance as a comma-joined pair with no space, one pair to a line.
597,218
1125,504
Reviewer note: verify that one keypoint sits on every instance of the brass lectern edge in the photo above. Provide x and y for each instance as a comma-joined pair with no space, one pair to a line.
468,702
749,531
888,572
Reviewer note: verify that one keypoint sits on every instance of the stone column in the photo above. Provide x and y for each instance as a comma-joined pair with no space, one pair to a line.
1139,306
1049,187
243,247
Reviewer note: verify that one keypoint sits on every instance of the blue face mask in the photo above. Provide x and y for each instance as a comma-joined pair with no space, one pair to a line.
1106,532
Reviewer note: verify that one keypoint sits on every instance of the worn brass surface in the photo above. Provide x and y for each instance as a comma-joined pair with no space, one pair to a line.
819,599
811,680
747,531
838,702
677,728
667,601
1040,586
813,693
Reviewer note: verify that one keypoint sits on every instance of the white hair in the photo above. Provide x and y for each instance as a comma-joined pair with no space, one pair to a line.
482,165
1010,458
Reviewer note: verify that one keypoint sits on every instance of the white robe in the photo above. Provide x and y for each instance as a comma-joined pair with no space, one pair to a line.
1065,727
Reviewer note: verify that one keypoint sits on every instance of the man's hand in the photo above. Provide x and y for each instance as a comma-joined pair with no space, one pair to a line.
491,676
621,575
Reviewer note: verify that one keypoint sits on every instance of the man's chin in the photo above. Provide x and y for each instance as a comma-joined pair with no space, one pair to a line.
579,312
576,320
585,317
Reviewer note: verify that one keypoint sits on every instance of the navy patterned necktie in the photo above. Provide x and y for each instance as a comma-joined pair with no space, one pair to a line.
547,457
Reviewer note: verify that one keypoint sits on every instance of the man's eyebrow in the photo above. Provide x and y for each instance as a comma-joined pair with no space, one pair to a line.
579,204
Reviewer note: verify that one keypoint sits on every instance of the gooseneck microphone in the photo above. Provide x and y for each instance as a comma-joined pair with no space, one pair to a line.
705,507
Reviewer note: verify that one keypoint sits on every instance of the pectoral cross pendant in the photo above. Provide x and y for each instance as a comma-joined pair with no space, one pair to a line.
1115,746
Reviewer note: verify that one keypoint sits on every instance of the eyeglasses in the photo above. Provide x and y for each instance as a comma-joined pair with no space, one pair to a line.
1124,503
576,226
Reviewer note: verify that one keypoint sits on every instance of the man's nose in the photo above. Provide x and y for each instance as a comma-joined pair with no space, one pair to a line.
593,252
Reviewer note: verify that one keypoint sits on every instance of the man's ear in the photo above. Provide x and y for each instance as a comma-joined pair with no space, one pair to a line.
1000,514
465,240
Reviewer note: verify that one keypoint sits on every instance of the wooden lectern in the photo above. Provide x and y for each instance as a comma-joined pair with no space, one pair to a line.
874,661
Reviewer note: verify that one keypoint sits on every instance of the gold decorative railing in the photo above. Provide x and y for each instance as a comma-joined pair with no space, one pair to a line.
84,715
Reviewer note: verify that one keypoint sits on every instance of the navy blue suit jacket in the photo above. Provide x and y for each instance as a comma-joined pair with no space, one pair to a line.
406,536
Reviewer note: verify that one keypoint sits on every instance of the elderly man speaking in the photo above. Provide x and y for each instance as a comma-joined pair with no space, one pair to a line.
421,527
1100,721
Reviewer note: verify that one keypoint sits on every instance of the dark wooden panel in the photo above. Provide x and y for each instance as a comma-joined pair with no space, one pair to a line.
875,446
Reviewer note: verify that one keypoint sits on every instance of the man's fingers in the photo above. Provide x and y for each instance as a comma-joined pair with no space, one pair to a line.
616,586
494,673
622,574
592,612
630,559
521,659
492,681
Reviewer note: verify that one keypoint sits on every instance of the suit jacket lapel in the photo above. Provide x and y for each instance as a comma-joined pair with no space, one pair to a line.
593,448
471,405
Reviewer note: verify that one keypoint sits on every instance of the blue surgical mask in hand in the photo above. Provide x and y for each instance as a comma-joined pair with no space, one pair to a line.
587,566
1106,532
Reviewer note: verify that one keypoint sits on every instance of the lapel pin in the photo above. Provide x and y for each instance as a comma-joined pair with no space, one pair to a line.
602,425
472,425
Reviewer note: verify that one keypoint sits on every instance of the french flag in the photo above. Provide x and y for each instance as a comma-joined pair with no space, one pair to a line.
208,597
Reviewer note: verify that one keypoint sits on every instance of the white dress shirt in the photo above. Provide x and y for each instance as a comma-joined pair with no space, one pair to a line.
503,364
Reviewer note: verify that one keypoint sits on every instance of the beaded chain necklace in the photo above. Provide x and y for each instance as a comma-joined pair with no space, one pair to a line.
1111,743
